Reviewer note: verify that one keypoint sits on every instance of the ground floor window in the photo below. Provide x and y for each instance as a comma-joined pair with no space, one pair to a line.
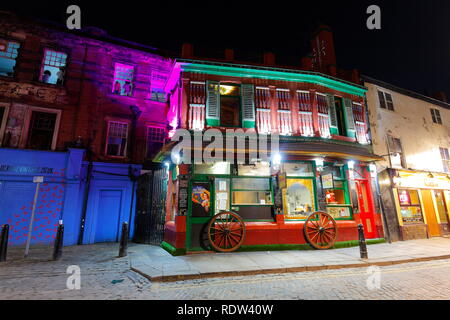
299,198
251,191
410,206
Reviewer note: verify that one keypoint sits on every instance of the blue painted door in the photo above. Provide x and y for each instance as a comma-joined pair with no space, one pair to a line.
108,214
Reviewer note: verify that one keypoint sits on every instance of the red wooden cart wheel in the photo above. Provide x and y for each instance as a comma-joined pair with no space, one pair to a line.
226,231
320,230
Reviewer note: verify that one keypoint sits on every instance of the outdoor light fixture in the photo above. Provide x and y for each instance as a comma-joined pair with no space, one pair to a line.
351,164
373,170
276,159
176,158
319,162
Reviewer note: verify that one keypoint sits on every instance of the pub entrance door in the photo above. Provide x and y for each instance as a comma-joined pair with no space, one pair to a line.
365,203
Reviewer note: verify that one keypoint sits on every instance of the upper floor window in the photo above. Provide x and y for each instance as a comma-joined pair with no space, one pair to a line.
3,118
385,100
436,116
8,55
123,79
155,140
445,159
53,67
284,98
117,138
42,128
230,103
396,152
262,98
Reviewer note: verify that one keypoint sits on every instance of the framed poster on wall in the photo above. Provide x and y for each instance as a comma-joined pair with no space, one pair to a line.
327,181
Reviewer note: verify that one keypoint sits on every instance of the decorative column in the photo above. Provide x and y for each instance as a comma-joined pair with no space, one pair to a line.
315,111
273,102
294,114
184,103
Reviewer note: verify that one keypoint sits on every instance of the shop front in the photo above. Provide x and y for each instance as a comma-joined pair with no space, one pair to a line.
422,200
274,200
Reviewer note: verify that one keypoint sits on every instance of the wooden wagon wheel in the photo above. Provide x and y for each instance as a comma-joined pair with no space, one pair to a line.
226,231
320,230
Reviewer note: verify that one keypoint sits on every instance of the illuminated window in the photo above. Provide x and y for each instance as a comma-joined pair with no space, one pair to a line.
445,159
299,198
123,80
436,116
251,191
230,104
410,206
212,168
256,169
385,100
8,55
298,169
53,67
117,139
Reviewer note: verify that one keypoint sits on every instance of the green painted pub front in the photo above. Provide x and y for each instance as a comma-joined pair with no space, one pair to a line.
325,161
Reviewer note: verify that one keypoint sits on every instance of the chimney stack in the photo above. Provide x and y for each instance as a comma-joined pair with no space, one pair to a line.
269,59
229,54
187,51
323,49
440,96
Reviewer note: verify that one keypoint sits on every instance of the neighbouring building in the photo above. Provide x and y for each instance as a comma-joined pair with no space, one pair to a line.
86,111
325,159
412,134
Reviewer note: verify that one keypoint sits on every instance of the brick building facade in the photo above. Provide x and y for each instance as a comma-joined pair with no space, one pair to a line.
87,90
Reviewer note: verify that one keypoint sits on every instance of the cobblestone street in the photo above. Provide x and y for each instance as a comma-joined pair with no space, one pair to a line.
103,276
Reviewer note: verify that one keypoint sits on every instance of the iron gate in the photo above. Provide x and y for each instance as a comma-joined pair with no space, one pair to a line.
150,207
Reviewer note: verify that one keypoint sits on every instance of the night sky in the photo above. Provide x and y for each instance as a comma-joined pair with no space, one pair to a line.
412,50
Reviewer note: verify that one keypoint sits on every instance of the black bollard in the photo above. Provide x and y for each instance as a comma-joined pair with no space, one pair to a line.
124,241
4,242
362,242
57,249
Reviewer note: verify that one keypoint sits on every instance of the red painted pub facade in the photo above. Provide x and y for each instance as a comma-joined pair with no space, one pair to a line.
325,160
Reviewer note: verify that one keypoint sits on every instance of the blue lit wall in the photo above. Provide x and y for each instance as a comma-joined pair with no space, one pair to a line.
61,197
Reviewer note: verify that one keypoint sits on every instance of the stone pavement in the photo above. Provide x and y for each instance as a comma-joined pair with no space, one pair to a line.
105,276
158,265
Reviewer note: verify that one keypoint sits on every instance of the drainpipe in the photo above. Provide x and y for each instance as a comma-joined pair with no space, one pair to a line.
87,188
136,112
133,191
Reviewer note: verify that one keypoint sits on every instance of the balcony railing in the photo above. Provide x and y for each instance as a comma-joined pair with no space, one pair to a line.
285,122
197,117
324,125
263,120
305,122
361,132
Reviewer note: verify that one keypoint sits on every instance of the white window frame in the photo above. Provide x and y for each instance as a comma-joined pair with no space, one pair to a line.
43,66
4,121
434,113
385,100
27,120
108,121
146,136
